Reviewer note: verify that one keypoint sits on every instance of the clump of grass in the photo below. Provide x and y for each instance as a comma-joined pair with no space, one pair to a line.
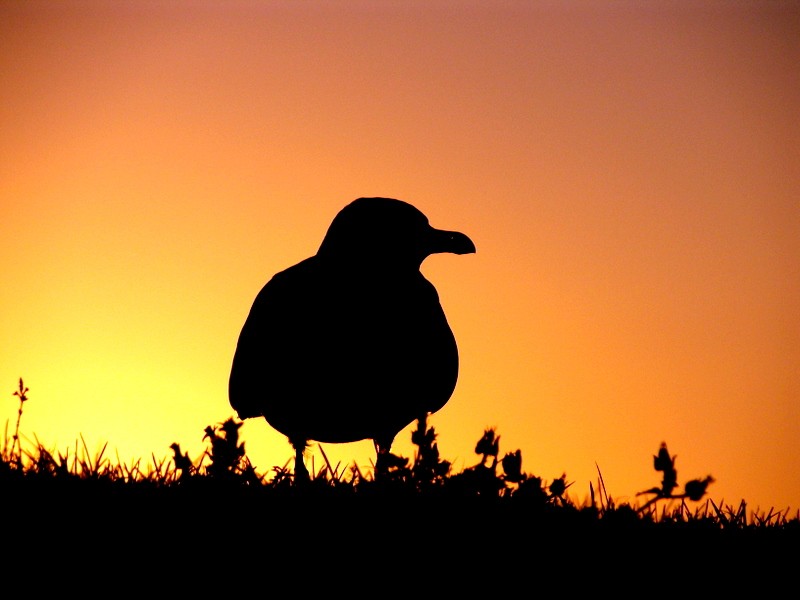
663,462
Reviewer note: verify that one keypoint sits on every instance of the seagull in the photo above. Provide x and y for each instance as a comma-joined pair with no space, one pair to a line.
351,343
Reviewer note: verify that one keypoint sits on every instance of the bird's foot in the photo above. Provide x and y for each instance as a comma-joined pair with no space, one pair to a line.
301,474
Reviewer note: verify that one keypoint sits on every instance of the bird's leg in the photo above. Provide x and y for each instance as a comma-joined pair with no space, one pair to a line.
300,470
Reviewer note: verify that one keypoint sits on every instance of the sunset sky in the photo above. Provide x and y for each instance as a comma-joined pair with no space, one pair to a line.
629,173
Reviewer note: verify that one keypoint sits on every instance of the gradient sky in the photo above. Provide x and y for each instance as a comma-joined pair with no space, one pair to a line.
628,171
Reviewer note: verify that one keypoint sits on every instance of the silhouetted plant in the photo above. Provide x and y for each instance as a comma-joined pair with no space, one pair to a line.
694,489
558,488
16,448
531,489
488,446
428,469
183,464
514,482
517,482
482,479
227,455
512,467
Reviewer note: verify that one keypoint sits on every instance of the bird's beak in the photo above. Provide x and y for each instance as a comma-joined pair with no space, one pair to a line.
454,242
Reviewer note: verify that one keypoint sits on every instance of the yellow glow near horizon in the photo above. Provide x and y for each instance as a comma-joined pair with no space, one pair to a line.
628,174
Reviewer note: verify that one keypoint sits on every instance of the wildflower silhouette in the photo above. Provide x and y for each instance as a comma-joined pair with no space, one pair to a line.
488,446
16,447
512,467
227,455
182,462
482,479
558,488
694,489
522,485
429,468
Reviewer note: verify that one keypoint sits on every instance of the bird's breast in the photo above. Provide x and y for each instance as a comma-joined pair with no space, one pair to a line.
342,358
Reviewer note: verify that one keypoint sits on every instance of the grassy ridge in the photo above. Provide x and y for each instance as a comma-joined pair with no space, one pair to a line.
76,493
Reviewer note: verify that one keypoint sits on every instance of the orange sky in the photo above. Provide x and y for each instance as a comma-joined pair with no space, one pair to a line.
628,171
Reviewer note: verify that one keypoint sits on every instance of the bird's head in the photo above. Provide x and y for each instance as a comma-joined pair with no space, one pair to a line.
388,232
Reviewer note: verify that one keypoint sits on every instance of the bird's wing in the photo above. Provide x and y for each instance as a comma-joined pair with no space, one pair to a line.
269,338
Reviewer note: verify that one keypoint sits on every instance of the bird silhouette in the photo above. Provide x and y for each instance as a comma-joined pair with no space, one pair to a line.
352,343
